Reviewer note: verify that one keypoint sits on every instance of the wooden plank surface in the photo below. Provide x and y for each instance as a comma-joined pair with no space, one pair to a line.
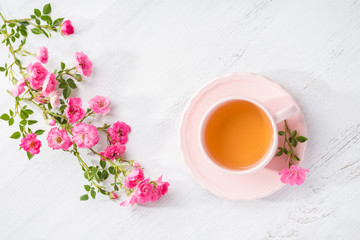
149,58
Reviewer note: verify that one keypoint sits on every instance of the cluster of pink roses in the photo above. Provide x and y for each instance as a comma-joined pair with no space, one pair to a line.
145,190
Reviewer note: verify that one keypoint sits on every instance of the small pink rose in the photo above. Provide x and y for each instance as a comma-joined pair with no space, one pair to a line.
42,55
294,175
135,176
49,85
113,152
37,75
52,122
99,104
66,28
118,132
59,139
136,164
54,99
85,136
31,144
83,64
74,112
19,88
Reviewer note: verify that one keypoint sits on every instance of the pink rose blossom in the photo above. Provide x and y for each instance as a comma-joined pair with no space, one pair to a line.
66,28
31,144
42,55
136,164
54,99
135,176
144,191
49,85
52,122
85,136
83,64
113,152
162,187
118,132
99,105
294,175
113,195
130,201
37,75
74,112
58,139
19,88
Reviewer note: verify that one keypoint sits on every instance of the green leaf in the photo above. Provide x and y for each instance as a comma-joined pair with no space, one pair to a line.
293,142
93,194
29,111
15,135
294,133
11,112
31,122
39,132
37,12
104,175
23,114
66,92
23,32
86,175
33,16
296,158
45,18
63,84
11,121
2,69
285,150
279,153
84,197
36,30
111,170
11,25
116,188
29,155
71,83
102,163
47,8
87,187
5,117
62,65
301,139
23,122
37,22
281,133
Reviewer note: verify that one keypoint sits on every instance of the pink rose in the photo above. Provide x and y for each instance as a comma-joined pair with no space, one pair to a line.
113,195
144,191
83,64
130,201
99,105
113,152
54,99
42,55
52,122
31,144
136,164
74,112
118,132
135,176
66,28
58,139
85,136
49,85
294,175
19,88
37,75
162,187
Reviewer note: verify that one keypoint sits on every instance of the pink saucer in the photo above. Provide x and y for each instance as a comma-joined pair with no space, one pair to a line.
237,187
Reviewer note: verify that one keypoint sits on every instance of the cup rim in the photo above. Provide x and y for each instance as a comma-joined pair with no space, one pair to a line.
265,159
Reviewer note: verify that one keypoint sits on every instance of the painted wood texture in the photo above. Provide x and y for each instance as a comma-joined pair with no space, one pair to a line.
149,58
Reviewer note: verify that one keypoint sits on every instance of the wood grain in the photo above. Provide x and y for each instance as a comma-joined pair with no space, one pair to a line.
150,57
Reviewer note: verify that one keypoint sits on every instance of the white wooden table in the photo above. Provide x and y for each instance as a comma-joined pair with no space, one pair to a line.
149,58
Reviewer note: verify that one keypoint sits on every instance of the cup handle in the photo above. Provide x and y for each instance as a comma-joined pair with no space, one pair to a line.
285,113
